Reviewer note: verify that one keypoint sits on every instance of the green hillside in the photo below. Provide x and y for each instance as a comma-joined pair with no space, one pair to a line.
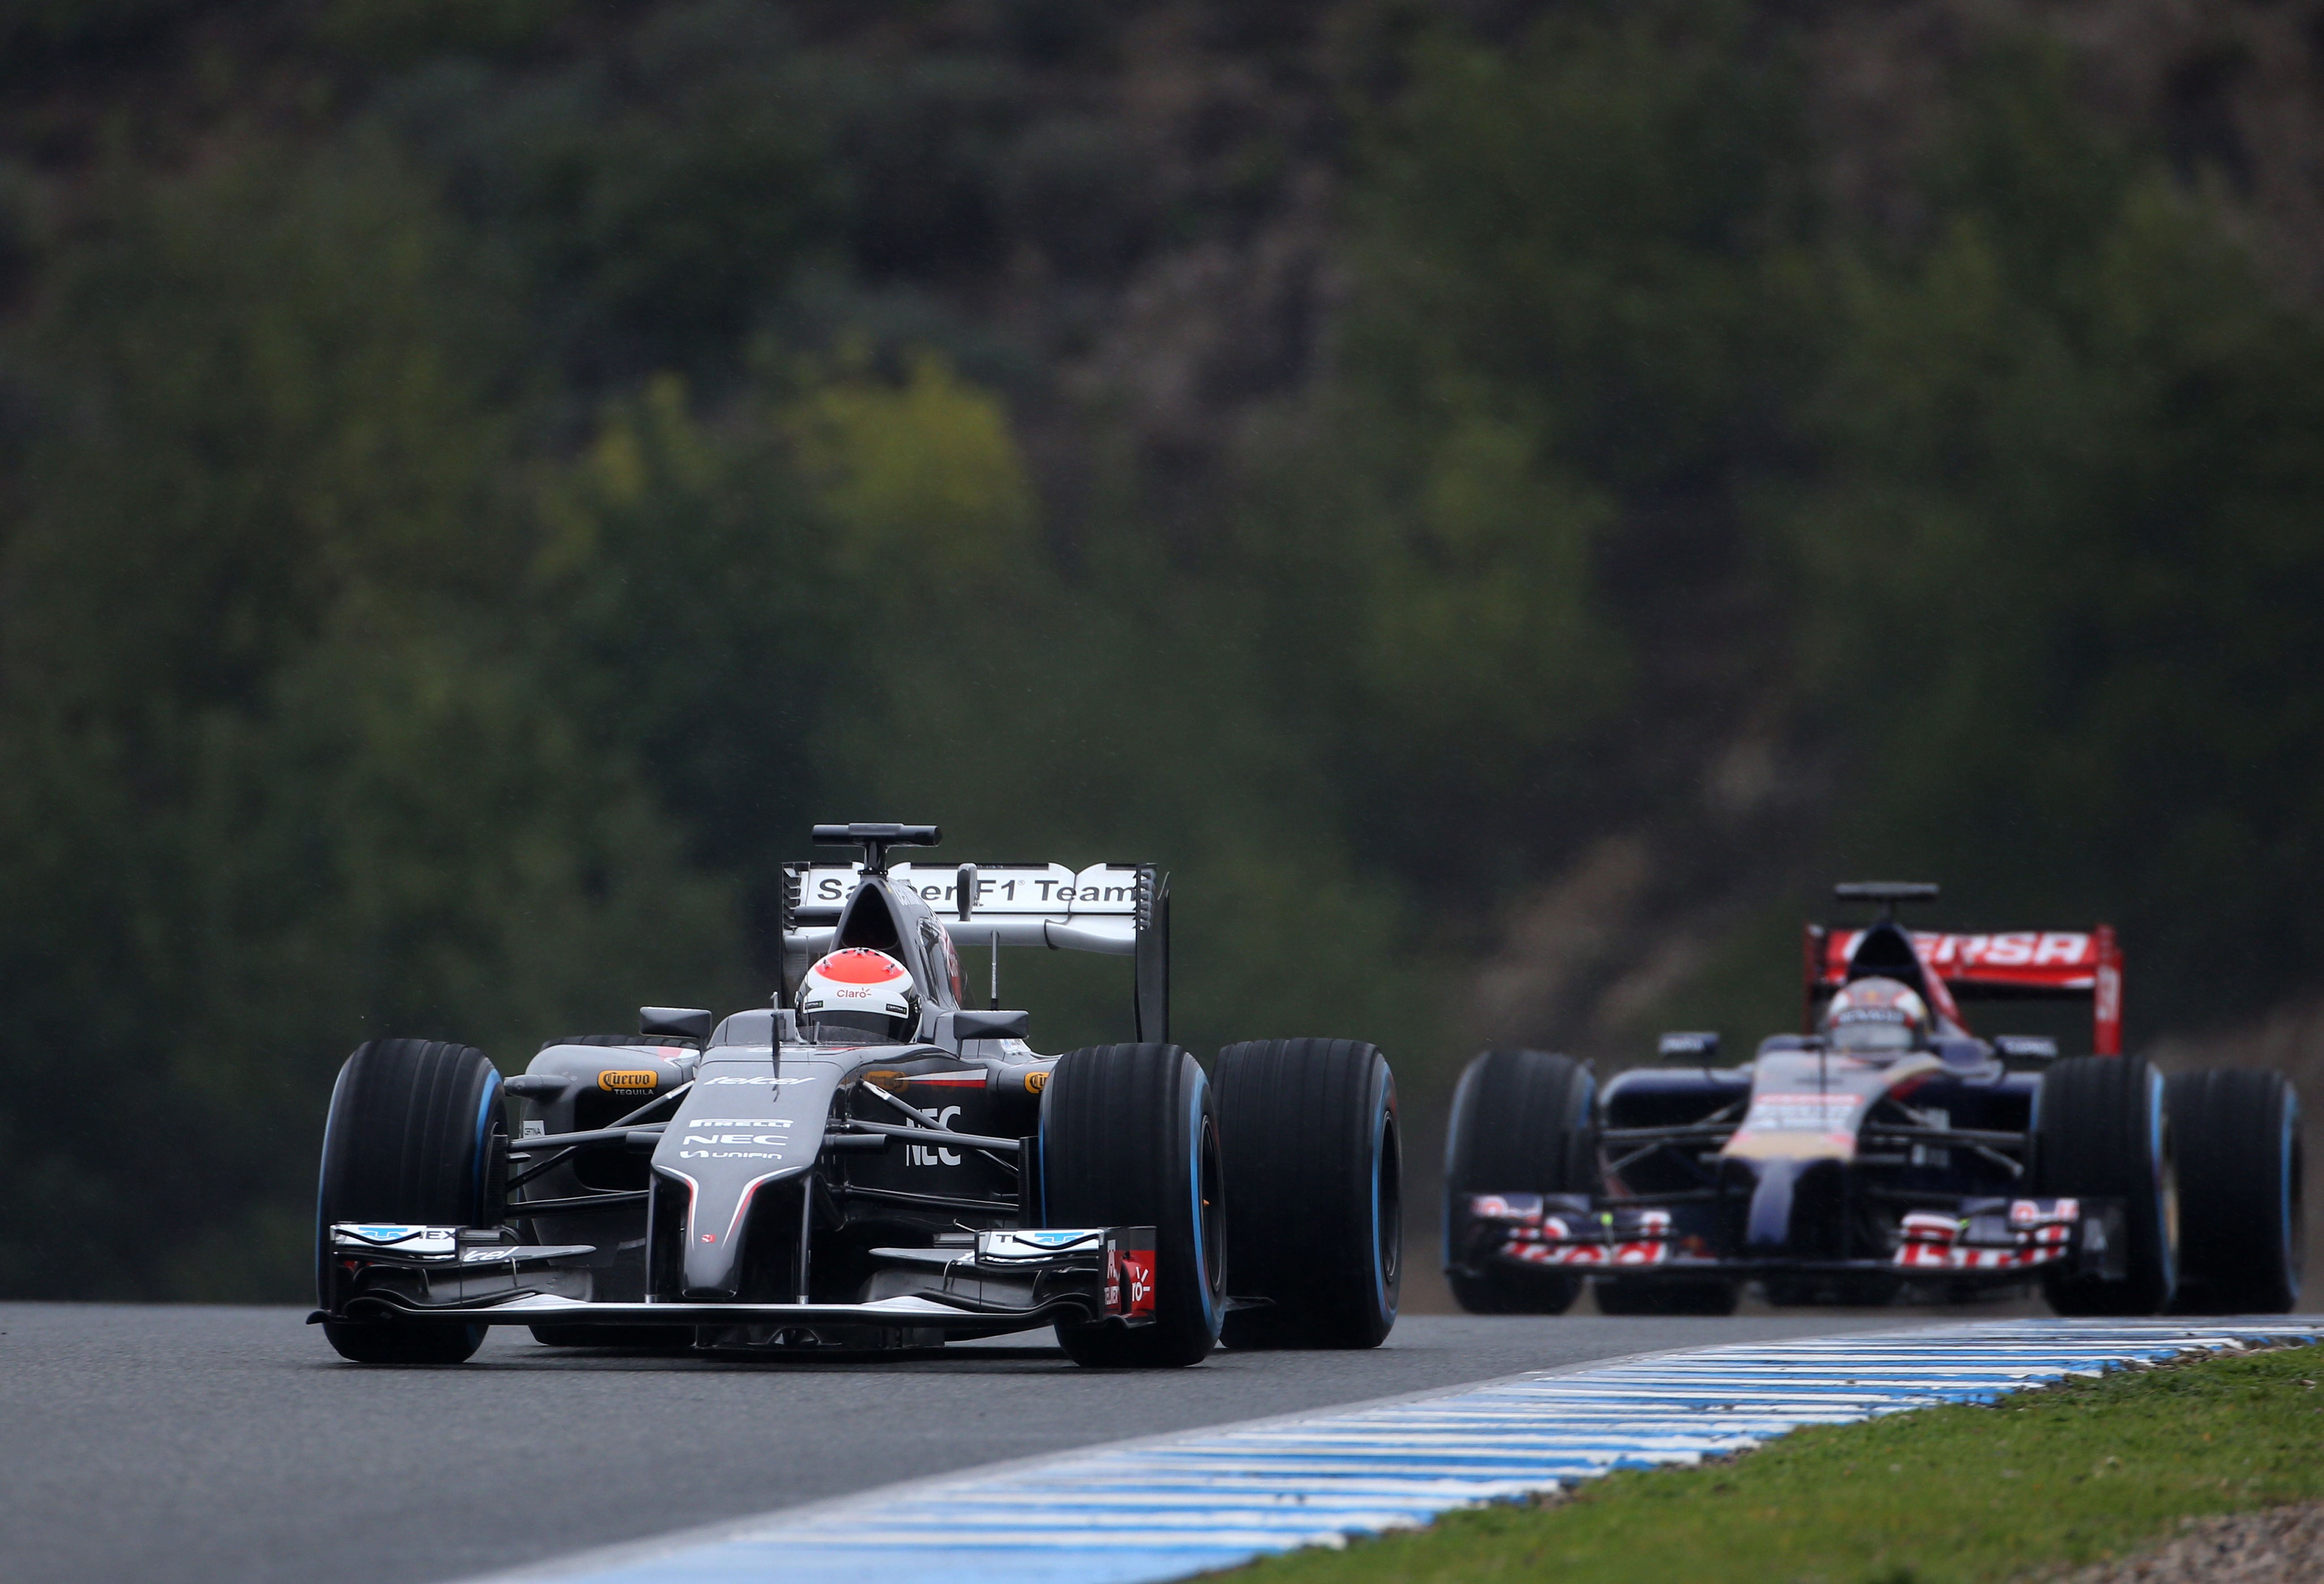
479,477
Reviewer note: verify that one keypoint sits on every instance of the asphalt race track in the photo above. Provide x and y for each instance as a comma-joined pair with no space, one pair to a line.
179,1444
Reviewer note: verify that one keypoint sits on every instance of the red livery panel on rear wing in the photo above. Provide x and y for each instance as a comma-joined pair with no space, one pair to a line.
2043,963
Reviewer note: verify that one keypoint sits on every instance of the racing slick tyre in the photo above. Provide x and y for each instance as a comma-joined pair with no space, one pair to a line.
416,1135
1522,1122
2239,1191
1129,1138
1631,1295
1314,1209
2101,1131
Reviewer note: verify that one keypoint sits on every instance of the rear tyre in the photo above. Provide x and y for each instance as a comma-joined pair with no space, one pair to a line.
1314,1192
1129,1138
1627,1295
416,1135
1522,1122
2239,1191
2101,1131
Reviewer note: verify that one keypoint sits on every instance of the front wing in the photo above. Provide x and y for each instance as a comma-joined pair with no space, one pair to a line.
1984,1241
1000,1281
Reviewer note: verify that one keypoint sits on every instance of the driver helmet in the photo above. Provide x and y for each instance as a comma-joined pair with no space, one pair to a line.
1882,1016
860,992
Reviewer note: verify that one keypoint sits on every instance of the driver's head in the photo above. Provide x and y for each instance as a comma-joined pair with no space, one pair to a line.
1877,1016
859,997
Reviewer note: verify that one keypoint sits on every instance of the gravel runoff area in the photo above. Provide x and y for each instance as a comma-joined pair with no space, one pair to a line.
2278,1545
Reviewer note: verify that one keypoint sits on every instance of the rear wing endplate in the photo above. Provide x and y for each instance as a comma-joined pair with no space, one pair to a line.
1119,909
2024,964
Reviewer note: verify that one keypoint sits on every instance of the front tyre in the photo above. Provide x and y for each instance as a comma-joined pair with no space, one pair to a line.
416,1135
1522,1122
2101,1131
1314,1192
2239,1191
1129,1138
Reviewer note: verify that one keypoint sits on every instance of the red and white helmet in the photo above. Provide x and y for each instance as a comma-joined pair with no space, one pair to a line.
1878,1014
860,992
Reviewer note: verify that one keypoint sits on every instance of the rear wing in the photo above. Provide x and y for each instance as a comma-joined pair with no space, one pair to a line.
2025,964
1120,909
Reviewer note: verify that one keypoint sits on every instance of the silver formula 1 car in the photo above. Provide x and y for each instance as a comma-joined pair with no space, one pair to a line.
1886,1151
801,1178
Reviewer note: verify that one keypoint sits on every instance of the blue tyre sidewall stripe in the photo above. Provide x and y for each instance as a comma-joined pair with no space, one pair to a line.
1201,1090
2154,1124
1379,1158
484,1138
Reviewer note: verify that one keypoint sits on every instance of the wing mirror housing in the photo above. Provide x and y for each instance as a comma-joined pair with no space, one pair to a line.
692,1023
1697,1048
967,1024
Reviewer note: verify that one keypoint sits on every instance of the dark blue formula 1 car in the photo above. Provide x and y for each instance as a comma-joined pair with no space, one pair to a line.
1887,1151
870,1162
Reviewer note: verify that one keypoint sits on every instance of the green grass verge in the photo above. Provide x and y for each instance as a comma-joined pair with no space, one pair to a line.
2077,1473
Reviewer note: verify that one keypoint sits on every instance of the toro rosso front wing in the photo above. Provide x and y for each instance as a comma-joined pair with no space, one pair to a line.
982,1283
1984,1241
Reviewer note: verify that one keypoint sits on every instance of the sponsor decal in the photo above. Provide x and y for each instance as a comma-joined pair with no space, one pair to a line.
895,1082
1619,1236
392,1232
775,1138
921,1154
1052,1238
2065,959
1036,887
737,1122
479,1256
1025,1246
1035,1082
729,1154
622,1081
2036,1231
1799,1113
1506,1207
1138,1277
535,1129
426,1242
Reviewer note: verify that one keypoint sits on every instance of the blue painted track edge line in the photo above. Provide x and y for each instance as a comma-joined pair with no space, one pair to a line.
1010,1537
570,1564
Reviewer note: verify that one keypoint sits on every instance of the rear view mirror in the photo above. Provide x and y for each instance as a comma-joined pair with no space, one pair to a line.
966,1025
1701,1048
690,1023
